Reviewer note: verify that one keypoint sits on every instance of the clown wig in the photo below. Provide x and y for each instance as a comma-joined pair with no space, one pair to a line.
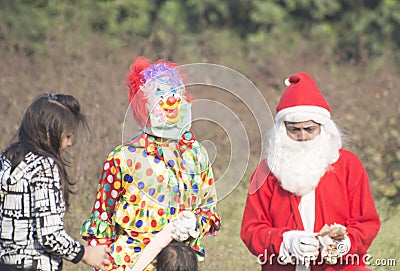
141,71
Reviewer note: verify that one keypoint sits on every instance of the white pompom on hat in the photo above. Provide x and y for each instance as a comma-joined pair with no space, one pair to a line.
302,101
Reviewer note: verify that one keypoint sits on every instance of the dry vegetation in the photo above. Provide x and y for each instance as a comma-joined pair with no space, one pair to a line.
363,98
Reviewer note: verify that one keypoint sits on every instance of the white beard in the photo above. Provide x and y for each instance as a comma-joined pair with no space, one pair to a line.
299,166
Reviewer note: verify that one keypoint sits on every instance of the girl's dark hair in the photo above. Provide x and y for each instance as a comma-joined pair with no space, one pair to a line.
41,129
177,257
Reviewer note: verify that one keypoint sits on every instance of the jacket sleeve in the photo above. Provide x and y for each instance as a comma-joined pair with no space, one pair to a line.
209,219
363,224
99,229
257,231
48,210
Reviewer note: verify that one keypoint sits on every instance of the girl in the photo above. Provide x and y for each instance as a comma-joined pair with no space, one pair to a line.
34,190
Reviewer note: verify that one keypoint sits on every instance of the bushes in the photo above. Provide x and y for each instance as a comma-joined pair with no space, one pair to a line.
258,38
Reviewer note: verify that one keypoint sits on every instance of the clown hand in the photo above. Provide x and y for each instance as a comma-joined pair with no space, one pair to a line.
184,226
301,245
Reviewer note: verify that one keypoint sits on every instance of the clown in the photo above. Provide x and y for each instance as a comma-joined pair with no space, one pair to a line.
160,179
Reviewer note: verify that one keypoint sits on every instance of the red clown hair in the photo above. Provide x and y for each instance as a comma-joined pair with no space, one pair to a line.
135,80
137,99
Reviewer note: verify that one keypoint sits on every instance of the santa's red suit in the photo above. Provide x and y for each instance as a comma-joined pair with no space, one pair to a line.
341,196
270,211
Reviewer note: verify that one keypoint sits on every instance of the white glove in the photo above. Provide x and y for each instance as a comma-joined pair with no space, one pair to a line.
334,242
184,226
302,245
332,249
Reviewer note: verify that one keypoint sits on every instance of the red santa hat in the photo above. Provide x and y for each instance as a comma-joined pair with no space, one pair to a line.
302,101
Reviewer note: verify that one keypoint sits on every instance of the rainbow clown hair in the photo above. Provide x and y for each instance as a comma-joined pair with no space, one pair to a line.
141,71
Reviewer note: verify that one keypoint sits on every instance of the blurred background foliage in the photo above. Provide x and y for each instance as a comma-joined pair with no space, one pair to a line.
85,47
350,30
341,31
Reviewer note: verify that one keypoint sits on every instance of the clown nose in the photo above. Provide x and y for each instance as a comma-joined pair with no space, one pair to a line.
171,100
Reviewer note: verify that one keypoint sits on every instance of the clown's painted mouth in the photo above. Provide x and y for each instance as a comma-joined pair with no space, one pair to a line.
171,113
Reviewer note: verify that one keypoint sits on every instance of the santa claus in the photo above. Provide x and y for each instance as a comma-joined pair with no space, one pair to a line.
309,205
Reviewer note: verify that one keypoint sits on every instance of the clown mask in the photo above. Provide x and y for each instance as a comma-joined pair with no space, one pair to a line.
168,109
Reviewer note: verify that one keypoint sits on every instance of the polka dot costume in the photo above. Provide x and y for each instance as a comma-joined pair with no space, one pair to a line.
145,184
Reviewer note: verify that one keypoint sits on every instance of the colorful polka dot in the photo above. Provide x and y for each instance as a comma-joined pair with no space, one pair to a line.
149,172
110,178
162,221
152,191
139,175
129,162
150,182
114,194
128,178
160,178
111,202
141,185
125,219
104,216
150,148
161,198
130,240
171,163
188,135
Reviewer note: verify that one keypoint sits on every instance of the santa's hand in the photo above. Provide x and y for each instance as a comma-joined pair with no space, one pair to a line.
334,242
302,245
329,251
184,226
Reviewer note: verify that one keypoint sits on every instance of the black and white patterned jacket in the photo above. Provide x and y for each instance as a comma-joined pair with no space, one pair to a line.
32,209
